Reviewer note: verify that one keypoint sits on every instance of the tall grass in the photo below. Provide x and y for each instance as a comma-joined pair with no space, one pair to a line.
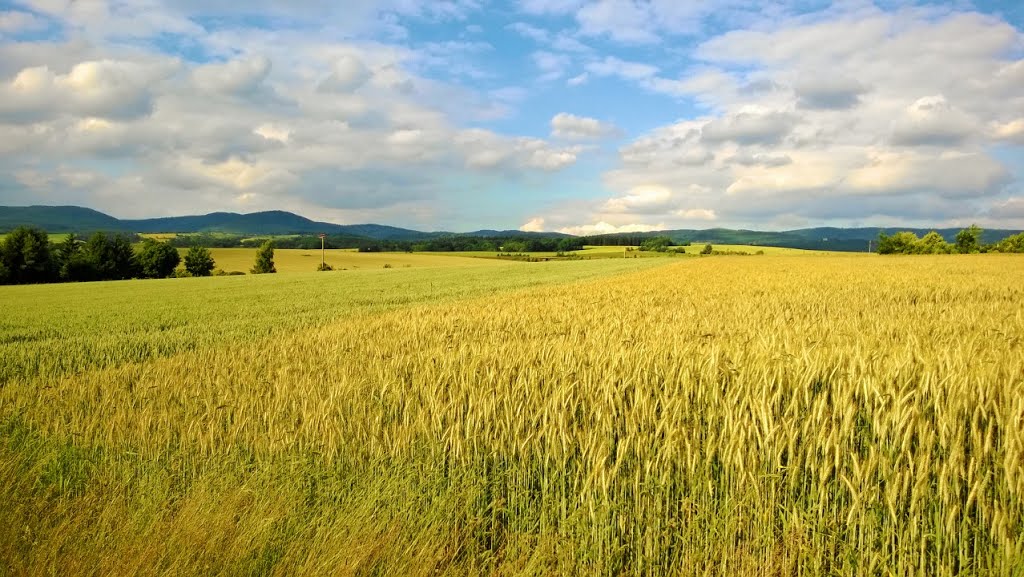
820,416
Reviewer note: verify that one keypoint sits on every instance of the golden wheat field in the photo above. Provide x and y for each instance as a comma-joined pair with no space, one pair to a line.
777,415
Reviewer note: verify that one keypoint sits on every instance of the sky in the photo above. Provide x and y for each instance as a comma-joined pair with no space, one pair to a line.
556,115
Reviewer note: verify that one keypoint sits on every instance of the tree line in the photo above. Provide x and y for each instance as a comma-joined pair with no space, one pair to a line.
967,241
28,257
465,243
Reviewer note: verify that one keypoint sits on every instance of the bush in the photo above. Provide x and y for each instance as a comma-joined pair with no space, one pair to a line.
708,249
324,267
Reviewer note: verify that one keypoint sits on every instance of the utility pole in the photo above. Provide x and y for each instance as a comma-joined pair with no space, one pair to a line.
323,254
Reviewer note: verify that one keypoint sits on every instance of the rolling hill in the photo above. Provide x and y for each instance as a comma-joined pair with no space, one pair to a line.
64,219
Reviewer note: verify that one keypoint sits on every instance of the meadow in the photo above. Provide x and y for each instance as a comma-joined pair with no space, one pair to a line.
777,415
291,260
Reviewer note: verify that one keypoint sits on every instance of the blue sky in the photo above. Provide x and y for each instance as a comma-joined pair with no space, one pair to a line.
599,116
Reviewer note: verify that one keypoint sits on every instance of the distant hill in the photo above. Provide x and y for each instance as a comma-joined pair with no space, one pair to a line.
64,219
823,238
57,219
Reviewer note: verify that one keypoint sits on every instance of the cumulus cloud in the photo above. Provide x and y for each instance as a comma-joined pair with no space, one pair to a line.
608,228
932,121
104,88
641,200
533,225
832,93
1008,208
572,127
239,77
485,150
867,114
748,128
348,73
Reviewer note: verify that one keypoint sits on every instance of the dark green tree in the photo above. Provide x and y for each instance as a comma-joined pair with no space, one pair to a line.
199,262
106,257
156,259
657,244
968,240
708,249
899,243
26,257
67,251
264,259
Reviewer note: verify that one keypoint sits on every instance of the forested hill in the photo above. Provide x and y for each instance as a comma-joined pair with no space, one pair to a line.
824,238
63,219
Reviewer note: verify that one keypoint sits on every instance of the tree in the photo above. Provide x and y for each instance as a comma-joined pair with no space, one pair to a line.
657,244
103,257
67,251
199,262
899,243
708,249
264,259
26,257
932,243
1014,243
156,259
968,240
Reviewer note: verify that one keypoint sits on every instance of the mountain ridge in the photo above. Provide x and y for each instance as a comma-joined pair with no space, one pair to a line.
65,219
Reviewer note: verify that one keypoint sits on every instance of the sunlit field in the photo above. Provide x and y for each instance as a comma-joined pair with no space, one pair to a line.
303,260
770,415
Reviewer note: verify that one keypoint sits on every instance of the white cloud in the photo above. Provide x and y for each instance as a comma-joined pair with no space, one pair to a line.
552,66
578,80
347,74
622,20
572,127
1010,208
612,66
933,121
853,115
1011,131
696,214
106,88
533,225
641,200
529,31
485,150
240,76
544,7
608,228
17,21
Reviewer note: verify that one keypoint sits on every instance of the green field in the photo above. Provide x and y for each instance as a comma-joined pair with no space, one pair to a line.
302,260
771,415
